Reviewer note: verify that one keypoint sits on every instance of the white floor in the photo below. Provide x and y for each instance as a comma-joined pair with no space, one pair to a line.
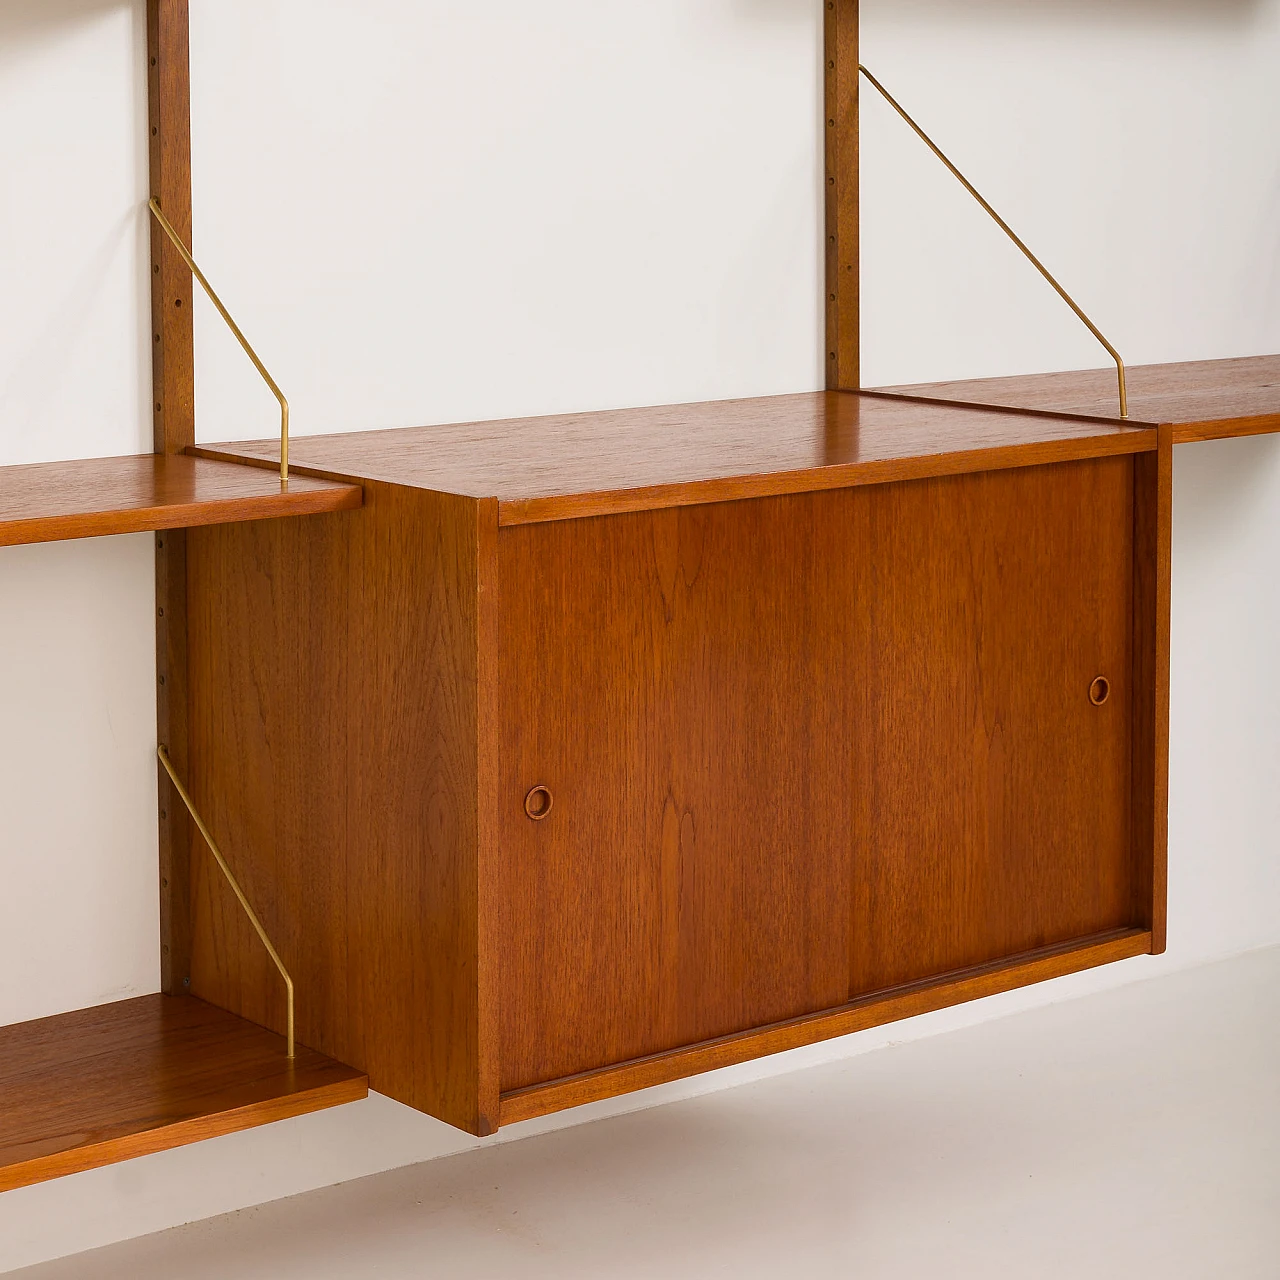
1132,1132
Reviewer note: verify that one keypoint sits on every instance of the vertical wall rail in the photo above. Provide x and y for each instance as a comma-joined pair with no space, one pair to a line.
173,358
840,126
174,429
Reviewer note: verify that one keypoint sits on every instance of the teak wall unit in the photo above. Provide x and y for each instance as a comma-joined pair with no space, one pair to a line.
653,762
566,756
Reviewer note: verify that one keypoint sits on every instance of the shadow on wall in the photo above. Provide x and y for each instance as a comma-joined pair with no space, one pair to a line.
1196,13
1230,483
27,19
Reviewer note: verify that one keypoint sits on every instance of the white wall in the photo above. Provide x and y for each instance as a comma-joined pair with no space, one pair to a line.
424,212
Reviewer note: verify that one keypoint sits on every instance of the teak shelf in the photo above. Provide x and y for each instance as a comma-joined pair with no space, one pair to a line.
102,1085
565,756
88,498
1200,400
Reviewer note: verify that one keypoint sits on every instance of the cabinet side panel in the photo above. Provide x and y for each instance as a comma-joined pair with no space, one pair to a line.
334,685
1153,513
993,796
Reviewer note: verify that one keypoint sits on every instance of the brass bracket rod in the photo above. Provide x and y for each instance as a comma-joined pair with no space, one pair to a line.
182,249
235,886
1009,231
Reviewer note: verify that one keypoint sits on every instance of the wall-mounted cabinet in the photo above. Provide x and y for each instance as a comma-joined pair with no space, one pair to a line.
577,786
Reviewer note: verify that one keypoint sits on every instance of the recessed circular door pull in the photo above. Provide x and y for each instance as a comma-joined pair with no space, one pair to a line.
537,804
1100,691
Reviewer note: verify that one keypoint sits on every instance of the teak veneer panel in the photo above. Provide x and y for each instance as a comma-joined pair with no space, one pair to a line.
89,498
101,1085
992,797
800,751
341,737
590,464
680,681
1201,400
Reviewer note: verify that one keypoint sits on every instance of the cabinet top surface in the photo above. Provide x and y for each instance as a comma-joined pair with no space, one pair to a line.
1202,399
635,459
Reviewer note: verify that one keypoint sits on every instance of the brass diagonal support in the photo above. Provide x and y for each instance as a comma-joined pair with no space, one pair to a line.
1009,231
235,886
185,254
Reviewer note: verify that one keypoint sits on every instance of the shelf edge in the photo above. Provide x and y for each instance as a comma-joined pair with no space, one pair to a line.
518,511
117,516
182,1134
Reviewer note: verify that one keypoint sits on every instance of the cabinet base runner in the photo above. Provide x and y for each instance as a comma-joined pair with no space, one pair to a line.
872,1010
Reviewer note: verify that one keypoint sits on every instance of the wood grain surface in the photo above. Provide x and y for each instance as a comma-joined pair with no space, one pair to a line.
1201,400
93,497
857,1015
101,1085
337,757
807,748
680,681
643,459
992,798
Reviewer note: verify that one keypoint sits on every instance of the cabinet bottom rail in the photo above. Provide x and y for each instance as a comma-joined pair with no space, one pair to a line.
872,1010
